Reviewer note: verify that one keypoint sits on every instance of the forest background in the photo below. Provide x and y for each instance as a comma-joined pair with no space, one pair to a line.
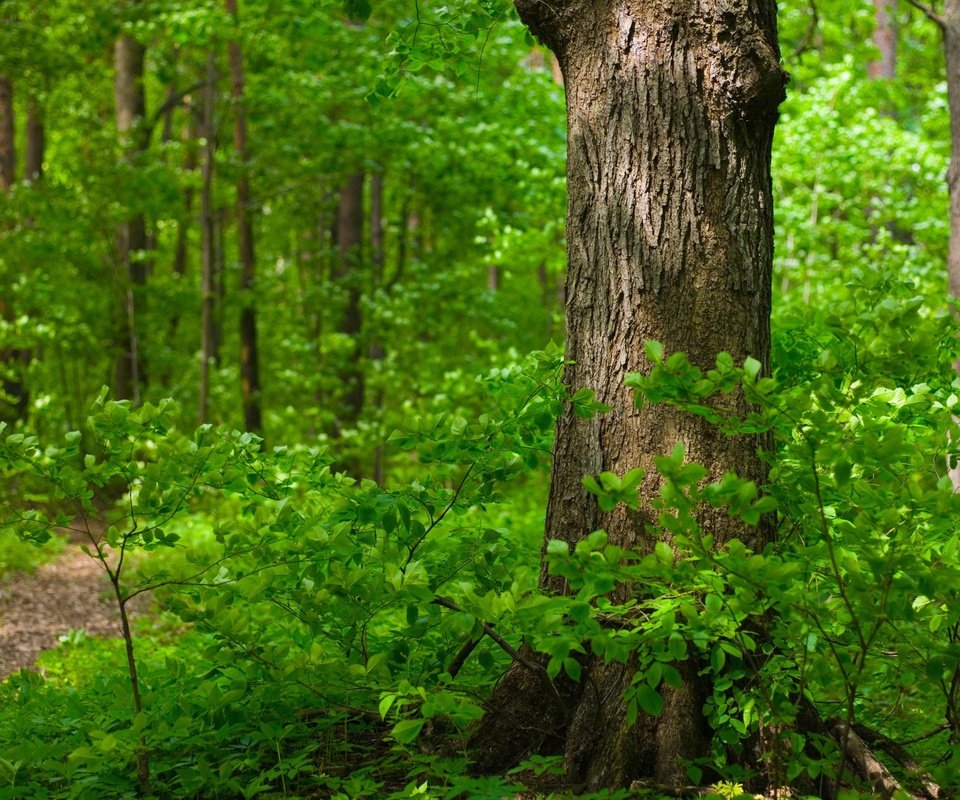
334,235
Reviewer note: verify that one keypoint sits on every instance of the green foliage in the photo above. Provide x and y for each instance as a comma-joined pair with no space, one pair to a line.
329,636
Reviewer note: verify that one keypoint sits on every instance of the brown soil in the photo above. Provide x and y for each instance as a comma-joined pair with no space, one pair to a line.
71,592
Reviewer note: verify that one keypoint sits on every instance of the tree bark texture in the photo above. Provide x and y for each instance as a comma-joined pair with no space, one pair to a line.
130,109
670,111
7,135
885,40
249,352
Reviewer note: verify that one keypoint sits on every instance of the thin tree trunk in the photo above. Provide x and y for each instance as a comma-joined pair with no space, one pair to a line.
36,142
132,238
207,238
7,135
669,232
219,284
885,40
12,357
16,386
249,353
183,227
377,351
181,245
349,248
951,45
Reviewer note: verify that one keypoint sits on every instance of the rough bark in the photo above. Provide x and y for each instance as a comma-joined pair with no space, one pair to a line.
249,351
671,109
885,40
130,109
208,335
7,136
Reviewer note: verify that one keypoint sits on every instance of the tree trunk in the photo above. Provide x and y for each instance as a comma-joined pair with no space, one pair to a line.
208,334
951,45
36,142
132,238
885,40
33,155
349,247
670,113
249,353
7,135
12,358
377,351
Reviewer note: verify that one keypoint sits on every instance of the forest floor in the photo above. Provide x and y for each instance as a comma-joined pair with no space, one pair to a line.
68,593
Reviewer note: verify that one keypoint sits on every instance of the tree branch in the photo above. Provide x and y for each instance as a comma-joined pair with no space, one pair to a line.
929,13
509,649
871,768
876,739
173,100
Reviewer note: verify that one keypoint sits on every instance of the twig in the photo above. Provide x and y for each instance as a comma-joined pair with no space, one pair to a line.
927,735
173,100
929,13
810,32
462,655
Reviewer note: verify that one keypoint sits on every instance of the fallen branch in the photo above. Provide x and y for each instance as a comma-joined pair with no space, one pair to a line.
897,751
867,764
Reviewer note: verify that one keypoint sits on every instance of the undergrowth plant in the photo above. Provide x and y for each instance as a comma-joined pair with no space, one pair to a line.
325,637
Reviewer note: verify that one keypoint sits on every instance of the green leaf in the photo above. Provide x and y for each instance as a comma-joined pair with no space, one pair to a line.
751,366
407,730
649,699
654,350
664,553
385,703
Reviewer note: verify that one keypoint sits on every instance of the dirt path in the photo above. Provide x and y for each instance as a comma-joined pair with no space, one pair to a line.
35,609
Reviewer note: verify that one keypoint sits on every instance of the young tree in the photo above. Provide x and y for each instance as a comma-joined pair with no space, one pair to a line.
670,111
